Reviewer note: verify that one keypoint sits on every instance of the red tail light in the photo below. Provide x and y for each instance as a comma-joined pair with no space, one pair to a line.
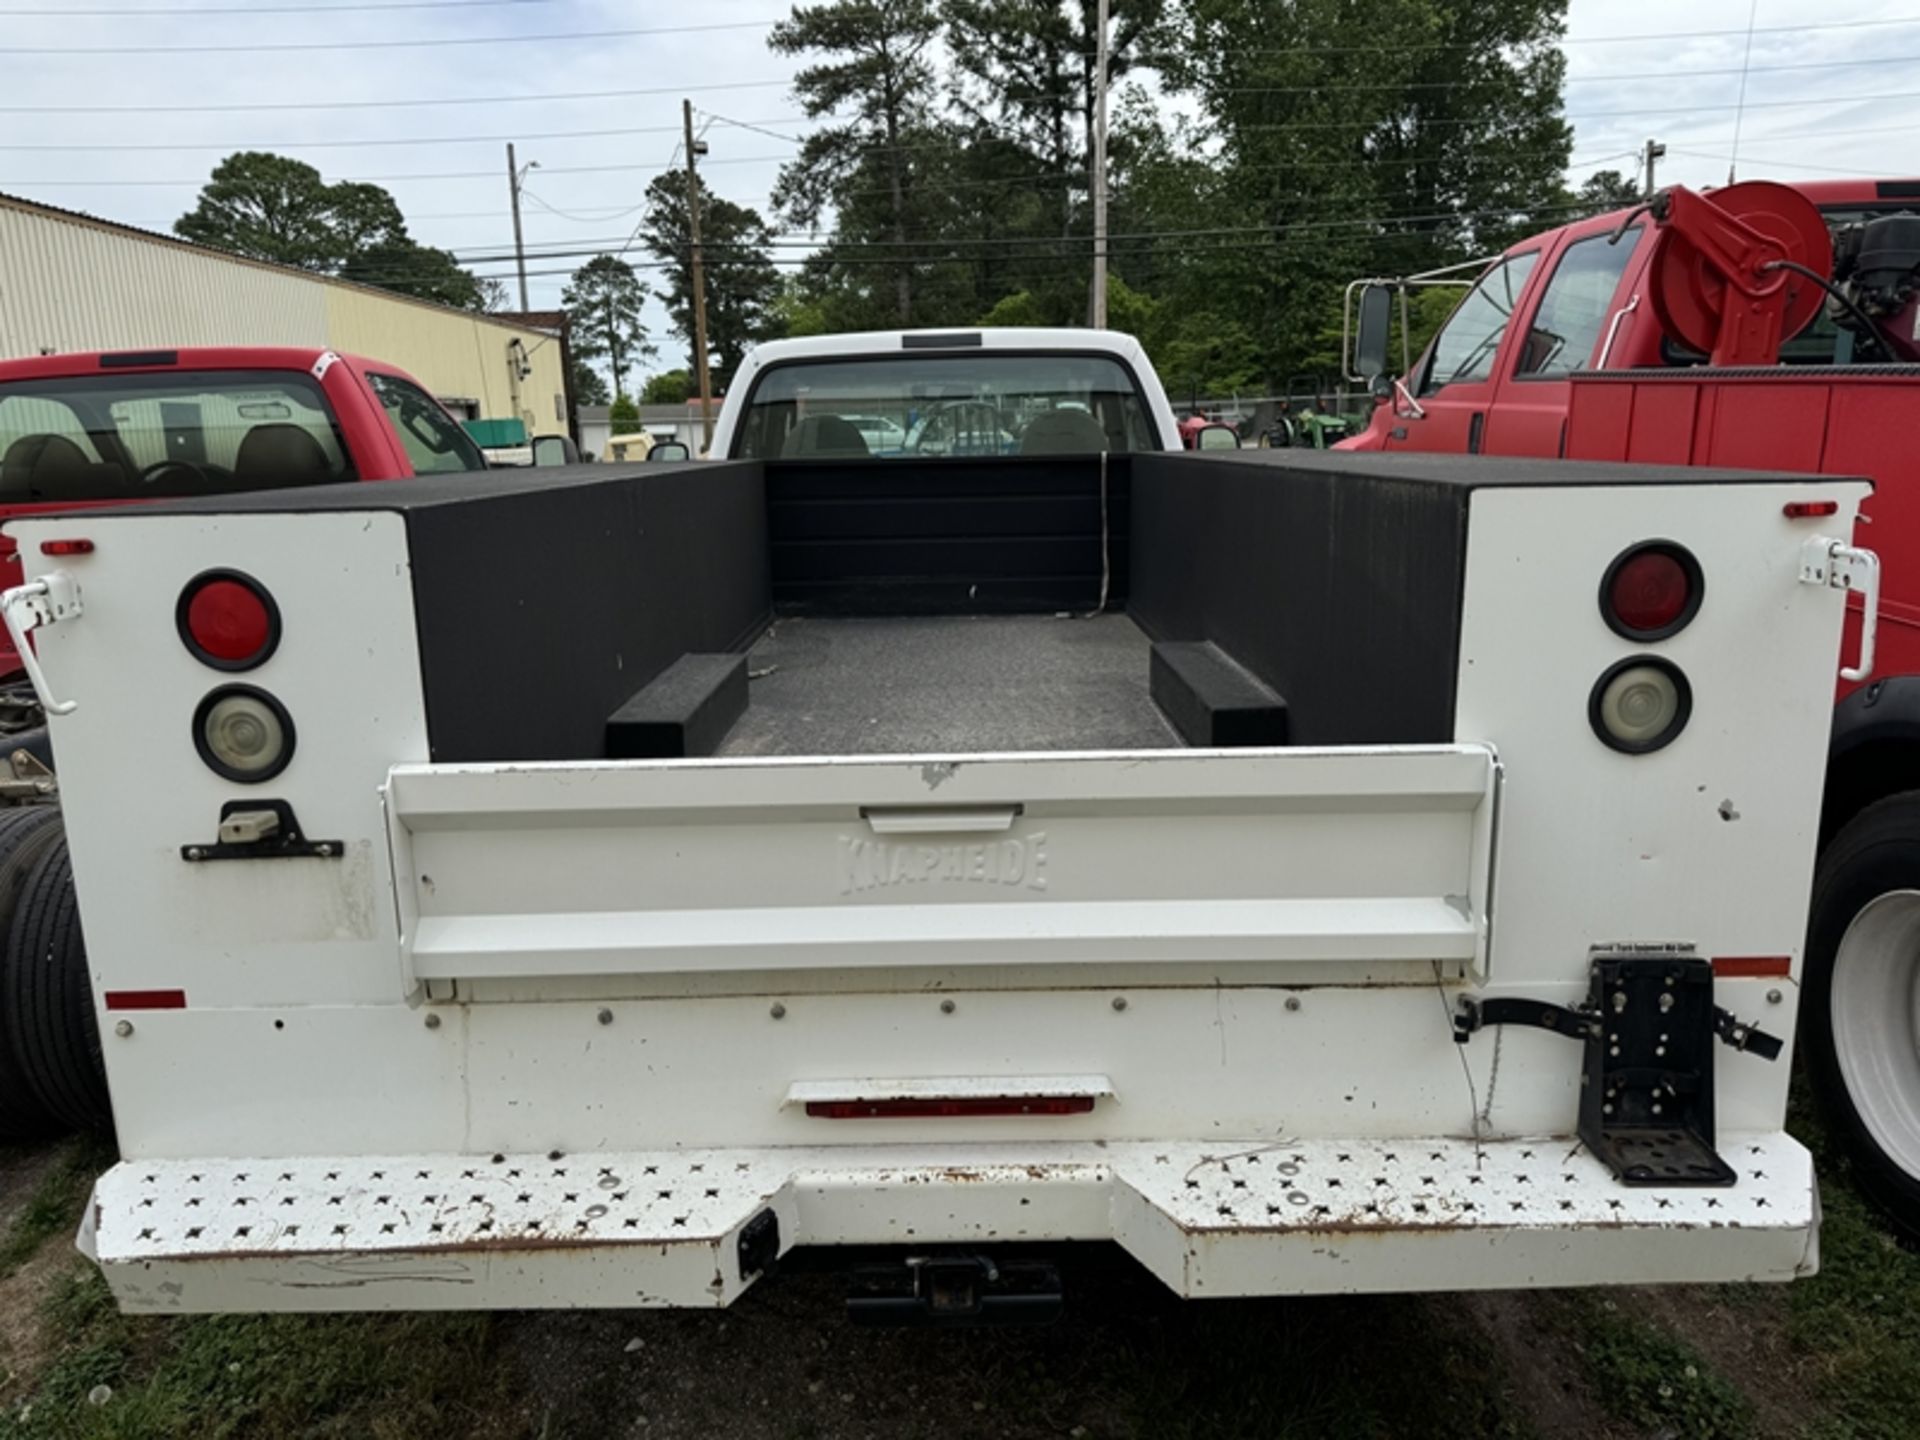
1651,591
928,1108
228,620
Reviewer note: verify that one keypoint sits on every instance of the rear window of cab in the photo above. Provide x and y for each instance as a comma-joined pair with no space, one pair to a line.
942,406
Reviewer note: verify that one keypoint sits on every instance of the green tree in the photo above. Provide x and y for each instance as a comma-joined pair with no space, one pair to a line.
736,263
670,387
1605,190
1439,139
1030,73
603,301
493,294
589,385
416,270
799,308
269,207
623,416
875,72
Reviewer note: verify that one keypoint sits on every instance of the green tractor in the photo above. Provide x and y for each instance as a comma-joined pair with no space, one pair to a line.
1313,425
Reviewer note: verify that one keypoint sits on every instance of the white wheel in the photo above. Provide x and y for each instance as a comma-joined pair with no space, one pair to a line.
1876,1022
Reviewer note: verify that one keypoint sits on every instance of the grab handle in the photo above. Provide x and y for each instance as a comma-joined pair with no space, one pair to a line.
942,820
26,607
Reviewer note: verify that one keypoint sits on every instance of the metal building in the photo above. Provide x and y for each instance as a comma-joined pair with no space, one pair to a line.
72,282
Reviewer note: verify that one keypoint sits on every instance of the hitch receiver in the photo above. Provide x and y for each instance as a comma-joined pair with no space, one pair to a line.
1646,1085
954,1290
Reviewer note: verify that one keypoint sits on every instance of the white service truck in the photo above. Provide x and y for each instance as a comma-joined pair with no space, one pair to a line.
1309,872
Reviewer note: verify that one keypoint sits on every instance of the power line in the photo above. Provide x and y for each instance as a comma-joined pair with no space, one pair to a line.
758,126
278,145
1277,128
305,106
1072,249
600,35
588,248
1649,37
185,12
314,105
434,43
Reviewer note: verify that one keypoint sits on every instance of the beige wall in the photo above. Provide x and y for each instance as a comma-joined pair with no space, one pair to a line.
69,284
73,286
456,356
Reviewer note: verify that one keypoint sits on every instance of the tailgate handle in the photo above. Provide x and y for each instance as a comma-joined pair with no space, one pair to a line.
941,819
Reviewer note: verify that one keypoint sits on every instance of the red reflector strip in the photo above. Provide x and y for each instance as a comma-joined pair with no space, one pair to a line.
950,1109
1747,967
146,999
1808,509
66,547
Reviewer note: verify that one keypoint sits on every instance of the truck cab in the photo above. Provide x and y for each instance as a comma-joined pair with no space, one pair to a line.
93,429
1497,378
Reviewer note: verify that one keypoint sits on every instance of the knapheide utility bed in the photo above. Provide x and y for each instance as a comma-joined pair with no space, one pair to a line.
1310,873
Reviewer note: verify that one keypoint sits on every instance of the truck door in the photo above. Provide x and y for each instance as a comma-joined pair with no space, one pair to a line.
1454,385
1567,328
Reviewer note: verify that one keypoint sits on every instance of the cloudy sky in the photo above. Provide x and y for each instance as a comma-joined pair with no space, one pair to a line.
120,107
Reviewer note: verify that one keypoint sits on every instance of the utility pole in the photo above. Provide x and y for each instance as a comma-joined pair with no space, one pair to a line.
701,376
1649,153
519,241
1098,309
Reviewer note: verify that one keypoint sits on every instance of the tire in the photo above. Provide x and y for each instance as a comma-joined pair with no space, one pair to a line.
1858,1012
47,996
26,834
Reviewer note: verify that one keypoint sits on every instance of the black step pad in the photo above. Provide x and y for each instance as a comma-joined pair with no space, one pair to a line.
685,710
1213,700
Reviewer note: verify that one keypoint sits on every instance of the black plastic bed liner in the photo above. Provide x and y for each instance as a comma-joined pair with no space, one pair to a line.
949,684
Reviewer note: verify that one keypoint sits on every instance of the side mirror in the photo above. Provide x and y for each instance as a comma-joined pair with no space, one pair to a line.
669,450
555,450
1370,339
1216,437
1381,387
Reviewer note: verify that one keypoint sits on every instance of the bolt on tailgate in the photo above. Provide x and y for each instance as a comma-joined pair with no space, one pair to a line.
1344,857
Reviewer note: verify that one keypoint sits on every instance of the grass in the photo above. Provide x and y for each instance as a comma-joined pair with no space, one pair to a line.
54,1206
1860,1316
1327,1369
1651,1378
388,1377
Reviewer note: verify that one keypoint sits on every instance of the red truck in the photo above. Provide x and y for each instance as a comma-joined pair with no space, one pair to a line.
1761,324
103,429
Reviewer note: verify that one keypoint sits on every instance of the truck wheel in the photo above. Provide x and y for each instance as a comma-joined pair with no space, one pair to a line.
1861,1010
25,836
47,996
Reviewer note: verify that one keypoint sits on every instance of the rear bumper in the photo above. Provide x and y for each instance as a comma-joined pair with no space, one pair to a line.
446,1232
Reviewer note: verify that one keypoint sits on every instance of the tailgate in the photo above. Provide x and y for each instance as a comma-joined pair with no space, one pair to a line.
1361,860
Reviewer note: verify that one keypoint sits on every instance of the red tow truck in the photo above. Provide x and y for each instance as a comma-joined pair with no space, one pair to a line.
1759,324
101,429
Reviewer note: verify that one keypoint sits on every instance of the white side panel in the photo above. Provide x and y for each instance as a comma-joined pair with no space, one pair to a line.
291,936
1708,842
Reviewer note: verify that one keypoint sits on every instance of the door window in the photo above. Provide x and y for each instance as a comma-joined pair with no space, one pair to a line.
1470,339
1573,312
434,441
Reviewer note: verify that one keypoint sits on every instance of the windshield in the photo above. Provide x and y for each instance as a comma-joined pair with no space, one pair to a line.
138,437
943,405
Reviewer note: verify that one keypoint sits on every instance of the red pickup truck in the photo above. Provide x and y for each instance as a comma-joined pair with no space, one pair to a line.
105,429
